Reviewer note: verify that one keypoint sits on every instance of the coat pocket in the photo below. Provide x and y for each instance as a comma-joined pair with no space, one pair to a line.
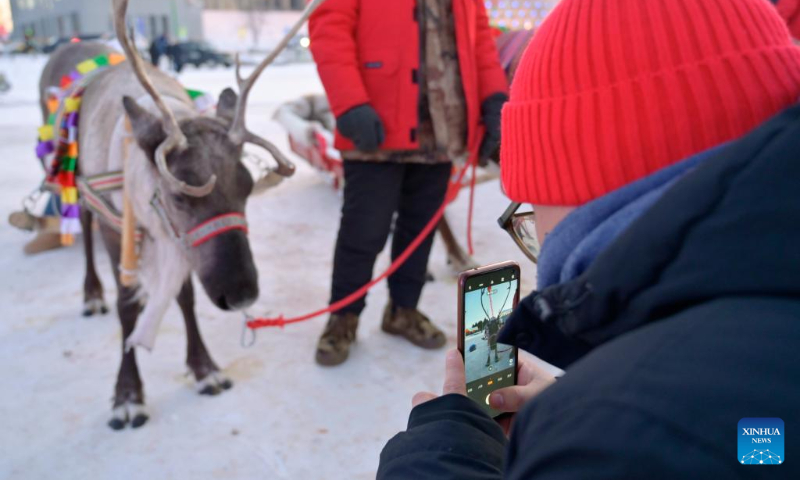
379,73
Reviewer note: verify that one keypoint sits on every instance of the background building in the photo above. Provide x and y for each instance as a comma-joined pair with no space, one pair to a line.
255,4
519,14
241,25
180,19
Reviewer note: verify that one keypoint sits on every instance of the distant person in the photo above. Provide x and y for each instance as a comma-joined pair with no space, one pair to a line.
159,47
411,91
658,143
29,45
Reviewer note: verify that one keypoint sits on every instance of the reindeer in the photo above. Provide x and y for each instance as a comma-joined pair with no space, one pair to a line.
492,323
182,170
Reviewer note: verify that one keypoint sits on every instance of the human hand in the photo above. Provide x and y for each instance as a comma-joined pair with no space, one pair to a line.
363,126
455,380
490,114
531,381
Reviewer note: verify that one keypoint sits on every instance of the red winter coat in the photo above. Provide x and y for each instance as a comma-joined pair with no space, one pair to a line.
368,51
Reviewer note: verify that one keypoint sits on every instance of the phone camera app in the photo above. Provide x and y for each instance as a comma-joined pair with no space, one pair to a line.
489,364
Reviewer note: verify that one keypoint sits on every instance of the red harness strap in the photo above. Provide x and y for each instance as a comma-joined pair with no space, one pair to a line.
214,227
452,193
202,233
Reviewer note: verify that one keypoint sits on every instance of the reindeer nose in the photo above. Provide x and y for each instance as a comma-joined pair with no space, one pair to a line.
238,298
227,272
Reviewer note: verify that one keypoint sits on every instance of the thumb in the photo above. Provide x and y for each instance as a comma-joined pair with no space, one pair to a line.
421,398
511,399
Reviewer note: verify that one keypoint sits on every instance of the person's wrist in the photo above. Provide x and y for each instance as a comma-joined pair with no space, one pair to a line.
446,407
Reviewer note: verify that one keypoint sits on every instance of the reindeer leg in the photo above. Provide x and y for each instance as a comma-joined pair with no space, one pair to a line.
128,391
128,403
209,379
93,301
458,260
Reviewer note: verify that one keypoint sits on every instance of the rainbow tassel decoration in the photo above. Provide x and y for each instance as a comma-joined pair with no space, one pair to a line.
58,144
61,141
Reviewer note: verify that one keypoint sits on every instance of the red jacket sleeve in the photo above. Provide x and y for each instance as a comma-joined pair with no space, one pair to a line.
332,30
491,77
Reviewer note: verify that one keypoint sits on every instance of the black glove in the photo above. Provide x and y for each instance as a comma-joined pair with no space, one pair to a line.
490,112
363,126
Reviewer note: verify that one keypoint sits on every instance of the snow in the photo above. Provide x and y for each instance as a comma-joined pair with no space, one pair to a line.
285,417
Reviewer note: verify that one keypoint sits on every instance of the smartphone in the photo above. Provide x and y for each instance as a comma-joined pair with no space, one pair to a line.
486,297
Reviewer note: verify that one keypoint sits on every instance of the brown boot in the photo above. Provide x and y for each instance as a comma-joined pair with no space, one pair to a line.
413,325
334,344
43,242
25,221
22,220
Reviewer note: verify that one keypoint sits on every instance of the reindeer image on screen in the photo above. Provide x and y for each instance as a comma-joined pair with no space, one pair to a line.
486,310
492,325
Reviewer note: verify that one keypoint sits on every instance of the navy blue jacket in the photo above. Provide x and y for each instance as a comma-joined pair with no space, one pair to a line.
687,323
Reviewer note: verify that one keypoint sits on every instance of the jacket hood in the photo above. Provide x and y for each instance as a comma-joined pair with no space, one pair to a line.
730,228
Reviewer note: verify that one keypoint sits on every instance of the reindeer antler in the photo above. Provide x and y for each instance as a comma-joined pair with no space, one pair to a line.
175,137
503,306
238,132
488,317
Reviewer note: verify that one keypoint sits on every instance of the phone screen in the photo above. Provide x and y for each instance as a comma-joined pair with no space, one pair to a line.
490,365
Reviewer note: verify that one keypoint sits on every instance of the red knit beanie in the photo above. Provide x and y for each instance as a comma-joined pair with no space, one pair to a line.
610,91
790,11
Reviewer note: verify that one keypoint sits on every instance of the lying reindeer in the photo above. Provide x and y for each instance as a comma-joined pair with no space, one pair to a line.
188,189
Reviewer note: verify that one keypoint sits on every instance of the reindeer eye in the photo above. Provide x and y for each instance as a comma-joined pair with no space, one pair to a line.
179,200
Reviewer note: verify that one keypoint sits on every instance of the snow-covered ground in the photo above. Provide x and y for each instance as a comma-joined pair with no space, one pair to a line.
285,417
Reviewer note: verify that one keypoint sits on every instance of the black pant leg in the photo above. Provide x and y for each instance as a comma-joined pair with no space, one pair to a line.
371,195
424,189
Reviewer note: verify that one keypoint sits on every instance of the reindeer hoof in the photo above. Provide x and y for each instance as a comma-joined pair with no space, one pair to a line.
213,384
94,307
210,390
139,420
116,424
128,412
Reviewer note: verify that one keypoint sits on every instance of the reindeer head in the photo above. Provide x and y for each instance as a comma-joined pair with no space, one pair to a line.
202,186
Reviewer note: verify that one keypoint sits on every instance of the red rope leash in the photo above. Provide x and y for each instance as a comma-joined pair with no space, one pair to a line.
452,193
471,205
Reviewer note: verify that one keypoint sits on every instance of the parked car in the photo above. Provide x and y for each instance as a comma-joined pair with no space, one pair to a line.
198,54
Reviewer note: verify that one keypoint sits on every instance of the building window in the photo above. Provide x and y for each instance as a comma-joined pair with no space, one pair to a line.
76,23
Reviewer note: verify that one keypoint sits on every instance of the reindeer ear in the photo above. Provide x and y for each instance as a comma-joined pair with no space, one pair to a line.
147,128
226,107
